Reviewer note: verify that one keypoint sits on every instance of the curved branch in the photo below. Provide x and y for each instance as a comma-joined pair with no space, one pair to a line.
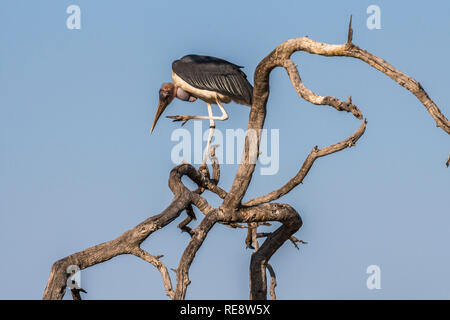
198,236
129,242
286,49
280,57
254,235
307,164
273,281
291,222
138,252
232,212
310,96
267,212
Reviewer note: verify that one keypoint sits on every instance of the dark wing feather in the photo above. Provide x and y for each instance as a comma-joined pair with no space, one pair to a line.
214,74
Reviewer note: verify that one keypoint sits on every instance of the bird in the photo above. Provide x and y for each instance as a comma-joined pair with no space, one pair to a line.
210,79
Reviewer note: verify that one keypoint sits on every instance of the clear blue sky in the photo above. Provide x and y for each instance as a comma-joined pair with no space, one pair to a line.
78,166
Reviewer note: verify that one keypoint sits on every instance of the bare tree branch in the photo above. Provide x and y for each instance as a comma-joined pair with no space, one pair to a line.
76,293
189,253
190,216
307,164
350,31
273,281
129,241
291,222
249,239
254,237
138,252
280,57
294,241
232,213
310,96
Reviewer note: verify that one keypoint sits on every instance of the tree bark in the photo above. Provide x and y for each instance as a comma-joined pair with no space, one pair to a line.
232,212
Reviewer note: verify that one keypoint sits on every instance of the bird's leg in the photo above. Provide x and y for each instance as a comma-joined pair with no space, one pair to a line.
212,126
224,112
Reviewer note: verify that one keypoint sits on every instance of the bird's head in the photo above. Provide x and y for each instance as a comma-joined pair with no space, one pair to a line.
166,95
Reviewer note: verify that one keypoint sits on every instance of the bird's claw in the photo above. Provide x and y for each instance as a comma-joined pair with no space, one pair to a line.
179,118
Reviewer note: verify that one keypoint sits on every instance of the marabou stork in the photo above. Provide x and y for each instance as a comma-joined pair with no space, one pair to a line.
213,80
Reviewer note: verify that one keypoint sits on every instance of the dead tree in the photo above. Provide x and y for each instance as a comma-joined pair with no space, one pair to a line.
232,212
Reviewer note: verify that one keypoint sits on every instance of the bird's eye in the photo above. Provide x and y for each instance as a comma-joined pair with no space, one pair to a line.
163,94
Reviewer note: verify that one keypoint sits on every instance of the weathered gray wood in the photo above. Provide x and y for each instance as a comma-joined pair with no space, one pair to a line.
232,212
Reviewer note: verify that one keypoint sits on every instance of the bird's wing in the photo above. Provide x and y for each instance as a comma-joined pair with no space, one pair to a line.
214,74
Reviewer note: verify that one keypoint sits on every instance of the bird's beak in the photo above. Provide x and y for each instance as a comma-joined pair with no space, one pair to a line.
162,104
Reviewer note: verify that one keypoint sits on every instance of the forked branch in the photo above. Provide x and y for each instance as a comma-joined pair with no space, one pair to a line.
232,212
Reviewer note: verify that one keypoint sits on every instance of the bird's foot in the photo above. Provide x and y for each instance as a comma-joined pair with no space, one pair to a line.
183,118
